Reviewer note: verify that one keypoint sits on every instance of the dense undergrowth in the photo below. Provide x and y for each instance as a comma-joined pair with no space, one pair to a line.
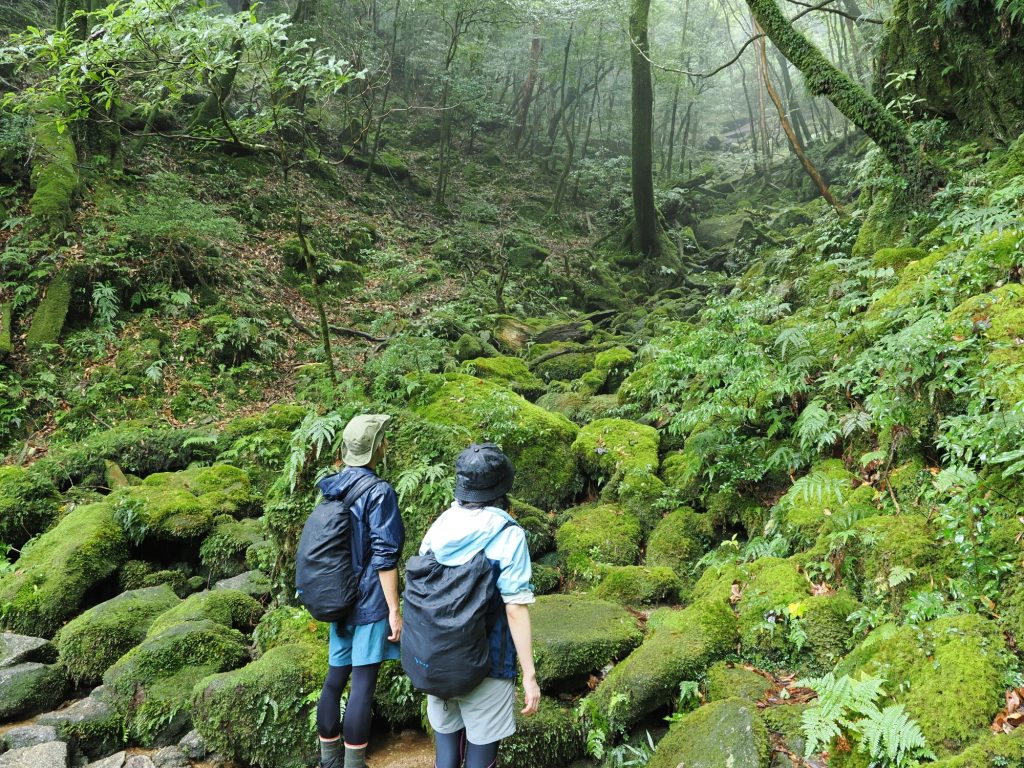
789,448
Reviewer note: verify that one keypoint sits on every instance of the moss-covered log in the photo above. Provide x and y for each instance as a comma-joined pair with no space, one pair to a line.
54,170
48,320
824,79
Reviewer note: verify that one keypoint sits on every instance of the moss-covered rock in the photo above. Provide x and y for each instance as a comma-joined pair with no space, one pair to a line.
30,687
610,369
992,751
570,364
769,586
931,667
637,584
48,319
538,524
92,724
56,571
54,169
550,738
884,542
223,551
470,346
227,607
151,685
804,511
678,541
825,621
93,641
546,579
604,533
511,372
287,625
728,681
681,472
681,645
896,258
28,504
573,635
723,733
537,441
260,714
6,318
998,319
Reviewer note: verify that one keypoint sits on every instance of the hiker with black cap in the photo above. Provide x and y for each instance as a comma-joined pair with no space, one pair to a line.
466,601
372,628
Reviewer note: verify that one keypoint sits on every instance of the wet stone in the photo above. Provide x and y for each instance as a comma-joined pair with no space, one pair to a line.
17,649
30,687
53,754
253,583
170,757
28,736
139,761
193,746
114,761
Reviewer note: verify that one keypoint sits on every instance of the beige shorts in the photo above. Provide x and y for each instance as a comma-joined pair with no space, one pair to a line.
487,712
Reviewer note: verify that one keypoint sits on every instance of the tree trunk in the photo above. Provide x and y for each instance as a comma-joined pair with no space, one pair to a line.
667,171
796,114
387,89
794,142
823,79
325,326
527,94
645,229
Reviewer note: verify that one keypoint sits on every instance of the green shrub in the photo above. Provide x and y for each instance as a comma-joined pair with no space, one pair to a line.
28,504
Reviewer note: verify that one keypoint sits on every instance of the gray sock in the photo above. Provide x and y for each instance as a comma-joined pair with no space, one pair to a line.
330,752
355,757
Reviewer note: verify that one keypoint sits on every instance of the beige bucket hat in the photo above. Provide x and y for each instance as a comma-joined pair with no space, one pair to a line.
361,438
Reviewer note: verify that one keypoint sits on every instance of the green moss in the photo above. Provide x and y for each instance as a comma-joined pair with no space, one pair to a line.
930,667
288,625
729,732
511,372
138,449
679,541
681,471
260,714
470,346
93,641
637,585
28,504
636,386
1001,750
48,320
825,620
884,225
546,579
604,533
804,512
770,586
729,509
571,364
54,170
6,316
228,607
537,441
538,524
223,551
551,738
680,647
29,688
904,292
579,407
909,480
886,541
998,318
727,681
896,258
57,570
152,683
610,369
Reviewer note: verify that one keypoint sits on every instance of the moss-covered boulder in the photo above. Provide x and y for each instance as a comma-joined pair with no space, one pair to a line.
681,646
729,681
603,533
28,504
610,369
48,319
54,169
57,570
223,552
561,361
538,524
885,542
17,649
896,258
824,619
227,607
470,346
769,586
992,751
637,585
574,635
151,685
92,724
931,668
681,471
30,687
997,319
537,441
93,641
550,738
260,714
511,372
678,541
723,734
546,579
806,508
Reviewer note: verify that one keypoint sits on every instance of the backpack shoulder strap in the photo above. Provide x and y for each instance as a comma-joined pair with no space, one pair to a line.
359,488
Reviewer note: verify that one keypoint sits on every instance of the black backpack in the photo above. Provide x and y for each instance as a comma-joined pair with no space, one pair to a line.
325,580
447,616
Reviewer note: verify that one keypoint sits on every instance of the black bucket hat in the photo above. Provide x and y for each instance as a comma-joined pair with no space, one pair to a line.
483,473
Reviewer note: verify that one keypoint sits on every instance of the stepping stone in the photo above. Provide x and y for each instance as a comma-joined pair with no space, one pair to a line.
53,754
114,761
170,757
92,723
28,736
16,649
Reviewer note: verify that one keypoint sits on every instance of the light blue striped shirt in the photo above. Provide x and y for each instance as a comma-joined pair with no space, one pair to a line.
459,533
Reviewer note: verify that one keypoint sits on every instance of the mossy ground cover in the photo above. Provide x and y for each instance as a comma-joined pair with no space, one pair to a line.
725,732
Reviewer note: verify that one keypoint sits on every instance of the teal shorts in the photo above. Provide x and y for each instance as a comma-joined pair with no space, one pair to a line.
361,644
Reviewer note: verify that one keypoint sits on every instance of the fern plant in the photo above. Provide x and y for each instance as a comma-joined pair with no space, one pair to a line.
848,706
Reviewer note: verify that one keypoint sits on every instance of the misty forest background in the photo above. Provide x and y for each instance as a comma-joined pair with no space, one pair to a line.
736,284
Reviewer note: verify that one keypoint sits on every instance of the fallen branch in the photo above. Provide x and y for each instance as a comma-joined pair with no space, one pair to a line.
565,351
341,331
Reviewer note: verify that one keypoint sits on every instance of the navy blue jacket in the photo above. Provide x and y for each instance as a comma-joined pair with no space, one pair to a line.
378,536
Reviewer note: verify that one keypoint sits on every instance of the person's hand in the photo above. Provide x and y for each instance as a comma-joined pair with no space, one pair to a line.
395,620
531,695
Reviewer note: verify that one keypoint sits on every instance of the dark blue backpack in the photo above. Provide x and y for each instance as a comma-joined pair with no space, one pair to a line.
325,581
447,616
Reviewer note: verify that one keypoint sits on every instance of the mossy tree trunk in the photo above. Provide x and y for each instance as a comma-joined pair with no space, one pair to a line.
824,79
645,214
527,93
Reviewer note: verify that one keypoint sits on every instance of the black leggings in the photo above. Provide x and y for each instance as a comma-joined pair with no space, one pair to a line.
450,749
357,710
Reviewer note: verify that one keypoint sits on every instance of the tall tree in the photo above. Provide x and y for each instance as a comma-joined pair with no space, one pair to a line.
824,79
645,214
